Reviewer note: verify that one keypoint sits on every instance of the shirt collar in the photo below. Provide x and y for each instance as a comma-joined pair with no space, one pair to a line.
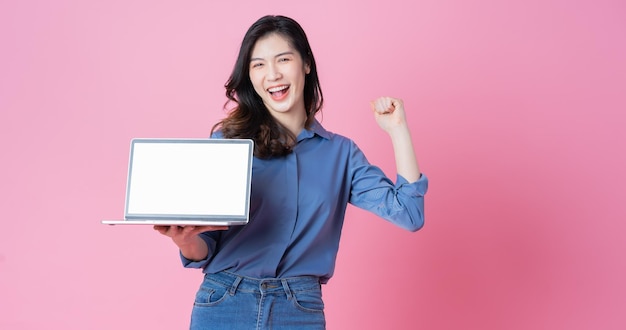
315,129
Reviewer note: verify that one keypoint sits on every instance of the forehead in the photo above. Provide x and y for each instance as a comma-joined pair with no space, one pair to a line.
270,45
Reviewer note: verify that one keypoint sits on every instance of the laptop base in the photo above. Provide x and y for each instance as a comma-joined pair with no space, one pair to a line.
174,222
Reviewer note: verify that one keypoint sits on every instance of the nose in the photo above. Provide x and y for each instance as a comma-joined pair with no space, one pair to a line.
273,73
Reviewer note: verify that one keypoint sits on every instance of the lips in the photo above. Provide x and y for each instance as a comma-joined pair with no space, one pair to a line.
278,92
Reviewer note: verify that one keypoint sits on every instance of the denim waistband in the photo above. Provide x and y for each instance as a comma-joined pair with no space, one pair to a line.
237,282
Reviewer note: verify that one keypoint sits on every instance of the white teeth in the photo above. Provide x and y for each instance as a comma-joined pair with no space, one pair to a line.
277,89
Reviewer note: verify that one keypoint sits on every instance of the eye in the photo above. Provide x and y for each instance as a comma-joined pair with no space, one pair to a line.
284,59
256,65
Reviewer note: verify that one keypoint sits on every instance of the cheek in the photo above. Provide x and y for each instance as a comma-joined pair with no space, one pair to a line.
257,83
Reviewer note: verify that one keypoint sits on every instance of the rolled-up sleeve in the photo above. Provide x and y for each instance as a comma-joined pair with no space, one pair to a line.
211,244
401,203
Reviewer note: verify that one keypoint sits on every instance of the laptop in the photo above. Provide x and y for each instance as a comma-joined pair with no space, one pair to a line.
188,182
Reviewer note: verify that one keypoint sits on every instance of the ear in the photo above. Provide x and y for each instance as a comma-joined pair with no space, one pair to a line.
307,68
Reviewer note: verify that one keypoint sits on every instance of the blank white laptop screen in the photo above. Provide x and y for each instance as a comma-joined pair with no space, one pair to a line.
193,180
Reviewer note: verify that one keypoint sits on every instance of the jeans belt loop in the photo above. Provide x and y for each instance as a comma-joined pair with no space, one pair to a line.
233,288
287,290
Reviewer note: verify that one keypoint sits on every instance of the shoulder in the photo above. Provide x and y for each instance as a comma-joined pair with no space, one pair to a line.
332,137
338,145
341,139
217,135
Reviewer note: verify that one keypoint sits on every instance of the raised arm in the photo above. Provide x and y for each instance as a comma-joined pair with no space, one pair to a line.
390,116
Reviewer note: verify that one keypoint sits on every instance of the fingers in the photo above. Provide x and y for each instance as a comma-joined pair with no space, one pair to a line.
201,229
169,231
383,105
183,231
161,229
212,228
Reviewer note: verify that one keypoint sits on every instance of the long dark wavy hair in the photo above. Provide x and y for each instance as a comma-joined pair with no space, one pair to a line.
249,118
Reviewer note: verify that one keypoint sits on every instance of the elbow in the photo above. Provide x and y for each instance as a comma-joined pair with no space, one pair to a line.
410,218
415,224
413,227
413,215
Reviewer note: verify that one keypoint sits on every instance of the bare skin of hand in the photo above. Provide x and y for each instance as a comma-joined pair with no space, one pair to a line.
389,113
391,117
186,238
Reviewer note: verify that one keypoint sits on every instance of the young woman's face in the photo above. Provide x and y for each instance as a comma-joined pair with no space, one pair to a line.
277,72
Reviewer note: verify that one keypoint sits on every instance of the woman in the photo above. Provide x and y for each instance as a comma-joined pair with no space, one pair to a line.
268,273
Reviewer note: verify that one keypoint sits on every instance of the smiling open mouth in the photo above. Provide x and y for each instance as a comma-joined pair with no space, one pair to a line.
279,91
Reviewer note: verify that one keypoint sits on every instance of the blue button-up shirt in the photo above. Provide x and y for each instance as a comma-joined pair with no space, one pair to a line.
297,209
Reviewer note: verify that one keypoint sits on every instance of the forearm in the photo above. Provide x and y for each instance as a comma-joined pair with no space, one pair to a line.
390,115
196,250
406,161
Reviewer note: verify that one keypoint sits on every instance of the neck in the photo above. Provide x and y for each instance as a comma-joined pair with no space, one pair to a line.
293,122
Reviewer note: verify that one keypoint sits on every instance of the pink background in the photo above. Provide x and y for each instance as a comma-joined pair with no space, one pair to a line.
517,109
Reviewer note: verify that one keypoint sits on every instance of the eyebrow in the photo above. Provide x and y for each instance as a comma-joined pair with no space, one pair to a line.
277,55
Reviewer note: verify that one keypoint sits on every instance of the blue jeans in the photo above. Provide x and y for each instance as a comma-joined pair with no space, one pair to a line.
229,301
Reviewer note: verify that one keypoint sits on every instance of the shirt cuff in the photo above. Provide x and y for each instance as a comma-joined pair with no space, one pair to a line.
417,188
188,263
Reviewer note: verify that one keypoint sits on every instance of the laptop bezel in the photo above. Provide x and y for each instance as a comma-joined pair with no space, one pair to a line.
192,219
